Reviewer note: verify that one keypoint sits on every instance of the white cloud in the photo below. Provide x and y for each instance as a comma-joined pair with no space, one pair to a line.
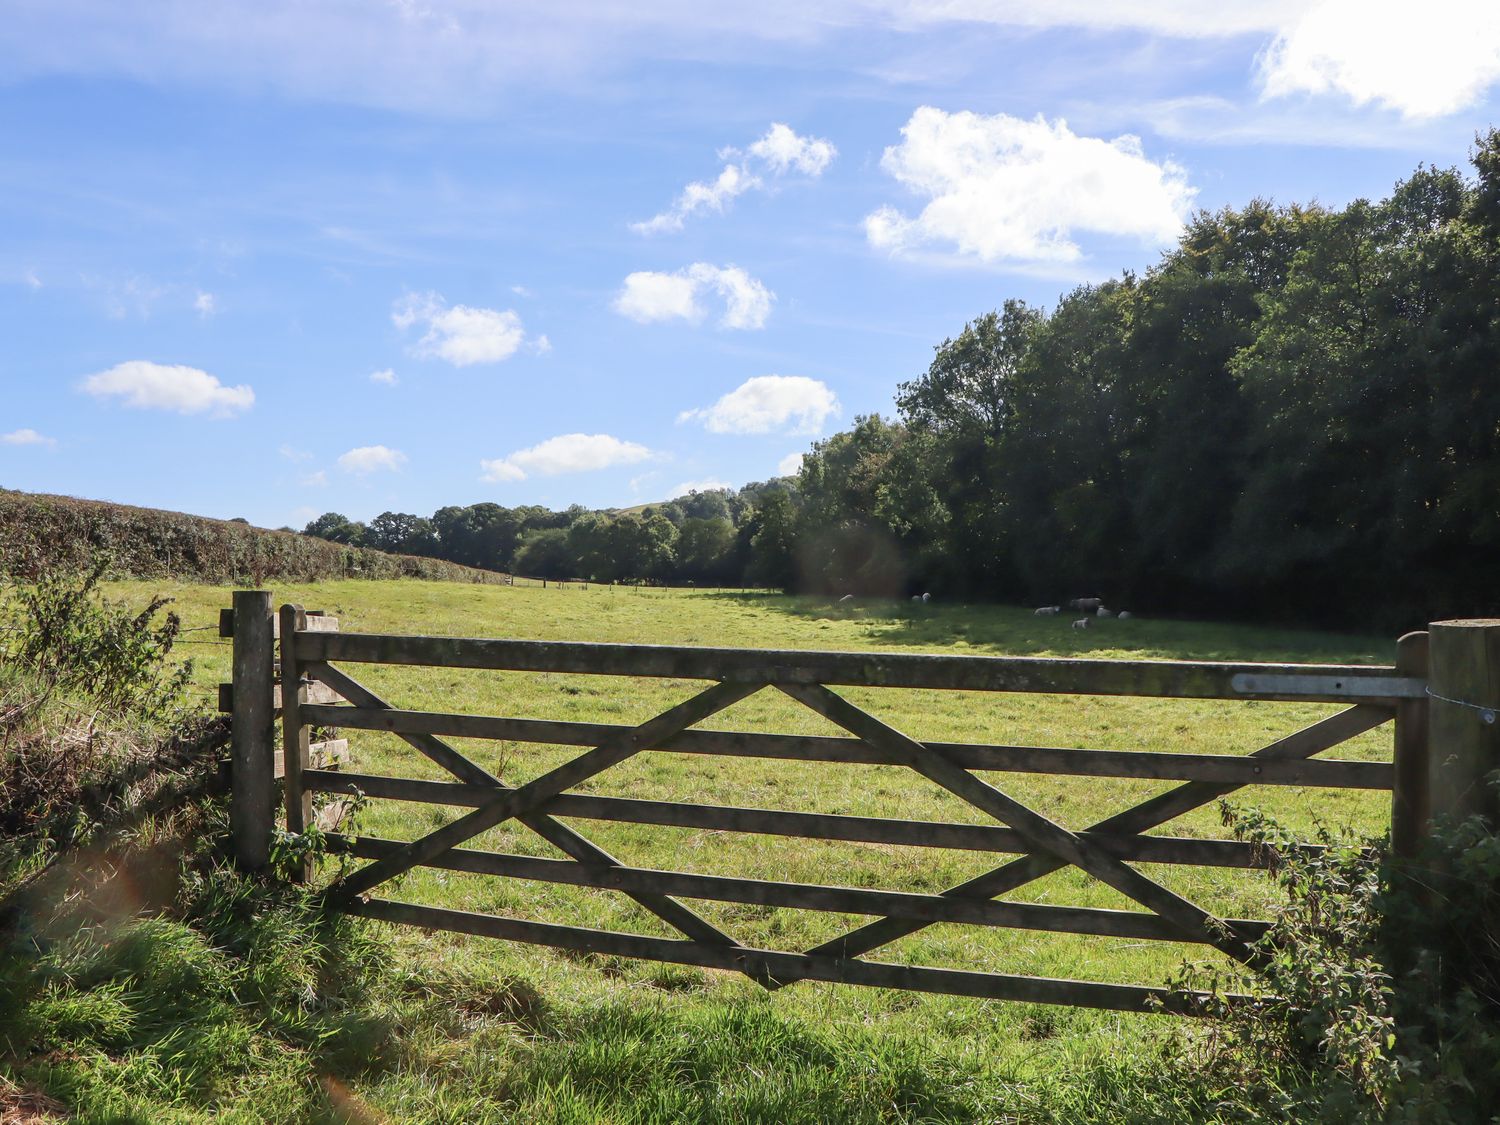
291,453
144,385
463,57
460,334
386,377
782,150
1002,188
649,296
778,152
1186,19
318,479
566,453
500,469
790,403
710,484
732,181
747,301
205,304
1426,63
31,279
790,465
371,458
1212,120
26,437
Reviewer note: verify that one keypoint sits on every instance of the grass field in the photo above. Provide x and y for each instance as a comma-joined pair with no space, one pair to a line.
607,1040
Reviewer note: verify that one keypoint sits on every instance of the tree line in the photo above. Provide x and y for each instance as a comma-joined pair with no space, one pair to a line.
1295,414
708,538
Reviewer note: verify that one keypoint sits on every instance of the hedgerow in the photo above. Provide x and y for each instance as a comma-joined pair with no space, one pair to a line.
41,534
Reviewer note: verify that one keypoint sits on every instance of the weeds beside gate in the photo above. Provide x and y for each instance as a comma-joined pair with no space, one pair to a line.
314,660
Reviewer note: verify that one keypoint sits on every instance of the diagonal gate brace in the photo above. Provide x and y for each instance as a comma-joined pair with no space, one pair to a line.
511,803
1041,832
566,839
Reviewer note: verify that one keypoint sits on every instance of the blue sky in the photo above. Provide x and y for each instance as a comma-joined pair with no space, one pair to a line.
273,259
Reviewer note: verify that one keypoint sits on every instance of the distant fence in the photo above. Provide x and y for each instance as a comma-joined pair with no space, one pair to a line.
314,658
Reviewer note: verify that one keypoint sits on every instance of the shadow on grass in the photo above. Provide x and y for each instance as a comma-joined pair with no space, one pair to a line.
987,629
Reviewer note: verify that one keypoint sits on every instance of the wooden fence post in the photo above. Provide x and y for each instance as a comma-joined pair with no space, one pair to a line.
294,739
1463,725
1411,808
253,747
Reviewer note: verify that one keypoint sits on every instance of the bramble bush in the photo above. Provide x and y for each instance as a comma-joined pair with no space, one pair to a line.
1387,974
69,635
95,729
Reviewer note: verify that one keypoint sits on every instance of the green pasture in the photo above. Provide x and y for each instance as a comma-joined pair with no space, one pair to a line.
1007,1051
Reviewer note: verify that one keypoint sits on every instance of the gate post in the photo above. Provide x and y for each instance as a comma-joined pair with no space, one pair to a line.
1411,808
1463,724
253,732
294,738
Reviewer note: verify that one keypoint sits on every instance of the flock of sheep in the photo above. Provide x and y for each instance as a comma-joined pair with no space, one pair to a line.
1086,606
1094,606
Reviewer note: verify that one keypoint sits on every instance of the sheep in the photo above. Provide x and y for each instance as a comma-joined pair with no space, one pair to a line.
926,597
846,598
1048,611
1125,615
1102,612
1086,605
916,597
1081,623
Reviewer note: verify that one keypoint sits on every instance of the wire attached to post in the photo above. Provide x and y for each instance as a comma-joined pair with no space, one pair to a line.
1486,714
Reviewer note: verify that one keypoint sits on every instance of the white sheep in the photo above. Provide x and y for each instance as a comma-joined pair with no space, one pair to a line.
1081,623
1125,615
1102,612
927,597
1048,611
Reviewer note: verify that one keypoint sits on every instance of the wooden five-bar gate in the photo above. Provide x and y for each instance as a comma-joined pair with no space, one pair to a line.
314,658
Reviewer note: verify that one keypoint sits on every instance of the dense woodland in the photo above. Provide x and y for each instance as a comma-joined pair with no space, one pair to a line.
1296,414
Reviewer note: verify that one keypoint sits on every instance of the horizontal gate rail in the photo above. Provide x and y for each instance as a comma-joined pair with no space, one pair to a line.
1304,683
1141,764
806,896
785,967
1181,850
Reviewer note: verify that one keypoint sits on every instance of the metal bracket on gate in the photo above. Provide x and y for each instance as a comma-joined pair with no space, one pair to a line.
1353,687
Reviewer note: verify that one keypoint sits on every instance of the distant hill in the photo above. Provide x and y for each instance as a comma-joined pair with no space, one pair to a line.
39,532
